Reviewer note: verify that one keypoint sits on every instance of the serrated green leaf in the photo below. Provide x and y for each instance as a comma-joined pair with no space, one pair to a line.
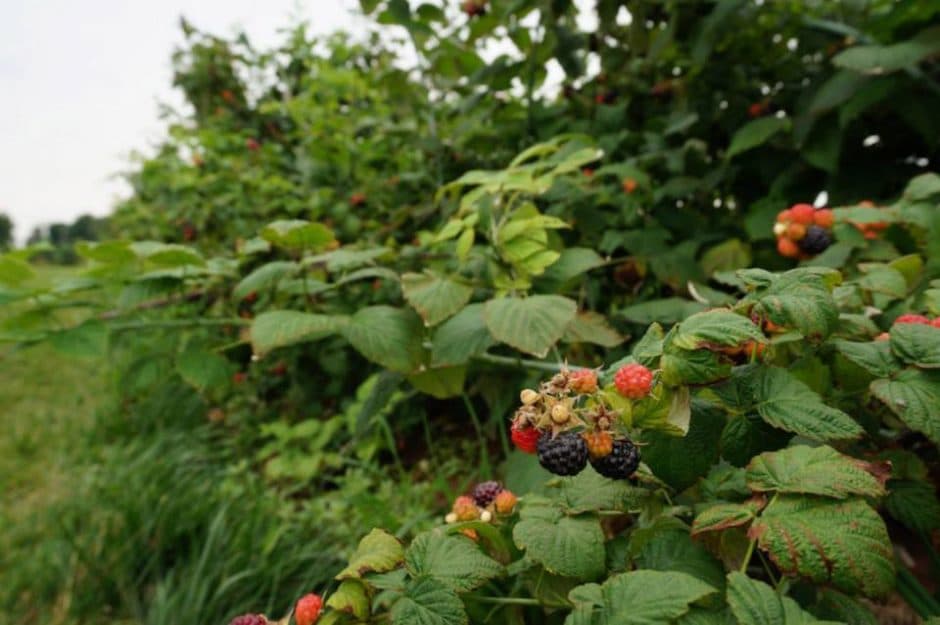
884,59
108,252
914,396
841,542
698,366
914,504
377,552
728,256
440,382
668,311
572,263
916,344
716,328
835,606
453,560
532,324
922,187
589,491
755,133
786,403
572,546
14,271
650,597
649,348
816,471
724,516
434,297
875,357
279,328
428,601
755,603
799,299
391,337
461,337
203,369
681,460
591,327
674,550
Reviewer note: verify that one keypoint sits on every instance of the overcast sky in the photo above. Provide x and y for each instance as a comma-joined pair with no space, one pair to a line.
80,83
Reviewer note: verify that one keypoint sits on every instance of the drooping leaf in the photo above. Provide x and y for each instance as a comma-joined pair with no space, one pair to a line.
591,327
755,603
914,503
434,297
264,277
650,597
875,357
716,328
722,516
572,263
649,348
377,552
572,546
835,606
674,550
279,328
461,337
914,396
816,471
350,598
297,234
428,601
532,324
588,491
843,542
440,382
391,337
681,460
799,299
884,59
453,560
755,133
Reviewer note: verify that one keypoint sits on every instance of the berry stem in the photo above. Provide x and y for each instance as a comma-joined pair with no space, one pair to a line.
510,601
536,365
177,323
747,555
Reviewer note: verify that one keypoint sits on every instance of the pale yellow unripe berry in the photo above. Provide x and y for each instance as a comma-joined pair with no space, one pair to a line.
528,396
560,414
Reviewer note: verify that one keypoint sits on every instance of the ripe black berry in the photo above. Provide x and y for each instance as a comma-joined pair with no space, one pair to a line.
565,454
621,463
817,239
485,492
249,619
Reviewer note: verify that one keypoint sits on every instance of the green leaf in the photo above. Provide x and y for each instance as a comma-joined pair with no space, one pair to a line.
461,337
428,602
391,337
755,133
435,298
799,299
728,256
755,603
532,324
878,59
344,258
592,327
572,546
666,409
297,234
649,348
716,328
668,311
454,560
916,344
264,277
922,187
574,262
440,382
681,460
588,491
86,340
650,597
880,278
107,252
875,357
351,598
203,369
724,516
786,403
914,504
699,366
278,328
673,550
14,271
170,255
377,552
840,542
834,605
816,471
914,396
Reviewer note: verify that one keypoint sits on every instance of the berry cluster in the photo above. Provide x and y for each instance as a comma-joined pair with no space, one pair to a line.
486,500
306,612
802,231
570,422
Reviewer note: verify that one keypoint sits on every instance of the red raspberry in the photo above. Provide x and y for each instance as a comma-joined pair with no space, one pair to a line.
633,381
307,610
917,319
525,439
802,214
936,322
824,218
584,381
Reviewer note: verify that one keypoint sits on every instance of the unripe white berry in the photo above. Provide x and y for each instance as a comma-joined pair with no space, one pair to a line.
560,413
780,229
528,396
486,516
451,517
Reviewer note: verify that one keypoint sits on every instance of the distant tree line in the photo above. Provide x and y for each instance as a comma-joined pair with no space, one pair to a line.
6,232
62,237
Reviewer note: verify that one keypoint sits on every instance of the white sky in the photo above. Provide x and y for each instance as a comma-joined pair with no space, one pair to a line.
80,83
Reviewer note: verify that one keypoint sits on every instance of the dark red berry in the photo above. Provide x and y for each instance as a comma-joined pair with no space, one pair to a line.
565,454
485,492
816,241
620,463
525,438
249,619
